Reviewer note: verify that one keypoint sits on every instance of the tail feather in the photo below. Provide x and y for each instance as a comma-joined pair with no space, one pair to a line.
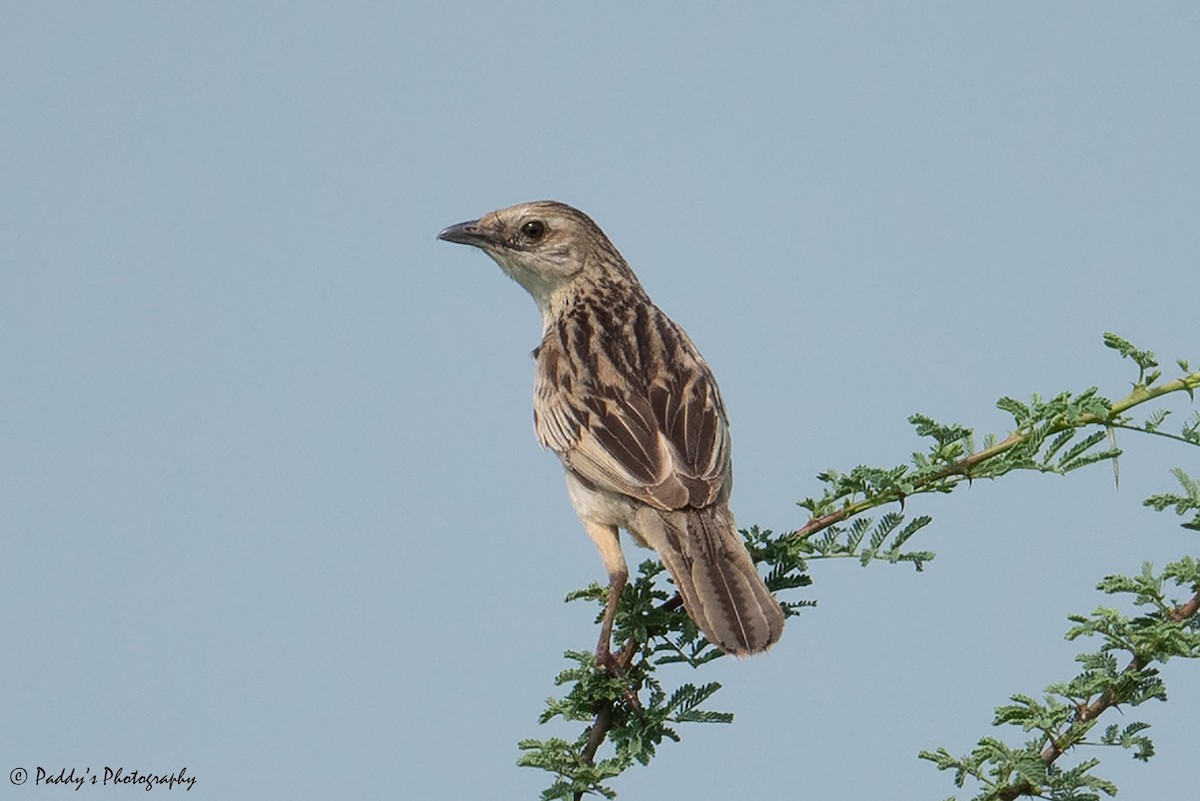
721,590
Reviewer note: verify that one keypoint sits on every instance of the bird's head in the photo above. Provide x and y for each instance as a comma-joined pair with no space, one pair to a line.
545,246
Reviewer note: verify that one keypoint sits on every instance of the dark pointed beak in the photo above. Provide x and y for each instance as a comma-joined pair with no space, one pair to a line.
466,233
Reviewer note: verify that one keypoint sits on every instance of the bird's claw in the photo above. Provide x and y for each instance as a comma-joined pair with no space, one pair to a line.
616,665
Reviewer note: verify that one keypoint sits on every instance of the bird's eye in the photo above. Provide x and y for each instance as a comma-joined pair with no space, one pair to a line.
534,229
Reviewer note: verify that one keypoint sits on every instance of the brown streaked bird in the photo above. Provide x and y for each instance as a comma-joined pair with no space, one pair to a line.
626,401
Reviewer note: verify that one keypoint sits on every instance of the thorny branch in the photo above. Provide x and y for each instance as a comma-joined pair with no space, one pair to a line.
964,466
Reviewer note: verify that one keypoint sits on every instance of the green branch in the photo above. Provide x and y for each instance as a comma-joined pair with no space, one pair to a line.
862,489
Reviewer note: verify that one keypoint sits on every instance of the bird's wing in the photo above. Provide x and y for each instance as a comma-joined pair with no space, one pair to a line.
662,439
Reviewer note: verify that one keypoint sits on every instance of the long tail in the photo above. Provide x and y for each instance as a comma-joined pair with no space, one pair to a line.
720,587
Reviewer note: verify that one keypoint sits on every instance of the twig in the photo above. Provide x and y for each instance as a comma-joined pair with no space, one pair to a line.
603,720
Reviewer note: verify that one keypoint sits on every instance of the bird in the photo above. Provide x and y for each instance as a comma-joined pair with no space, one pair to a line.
626,401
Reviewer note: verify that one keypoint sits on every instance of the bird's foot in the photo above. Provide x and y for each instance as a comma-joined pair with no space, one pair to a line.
607,662
617,666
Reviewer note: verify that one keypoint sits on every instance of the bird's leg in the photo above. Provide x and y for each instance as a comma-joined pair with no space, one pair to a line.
604,656
608,543
607,539
617,664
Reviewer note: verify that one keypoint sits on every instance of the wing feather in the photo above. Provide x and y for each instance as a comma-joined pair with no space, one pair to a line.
655,431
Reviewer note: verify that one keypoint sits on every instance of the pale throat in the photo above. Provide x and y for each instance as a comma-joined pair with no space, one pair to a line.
552,294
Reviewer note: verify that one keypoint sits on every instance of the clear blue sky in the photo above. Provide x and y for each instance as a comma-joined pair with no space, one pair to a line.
271,506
